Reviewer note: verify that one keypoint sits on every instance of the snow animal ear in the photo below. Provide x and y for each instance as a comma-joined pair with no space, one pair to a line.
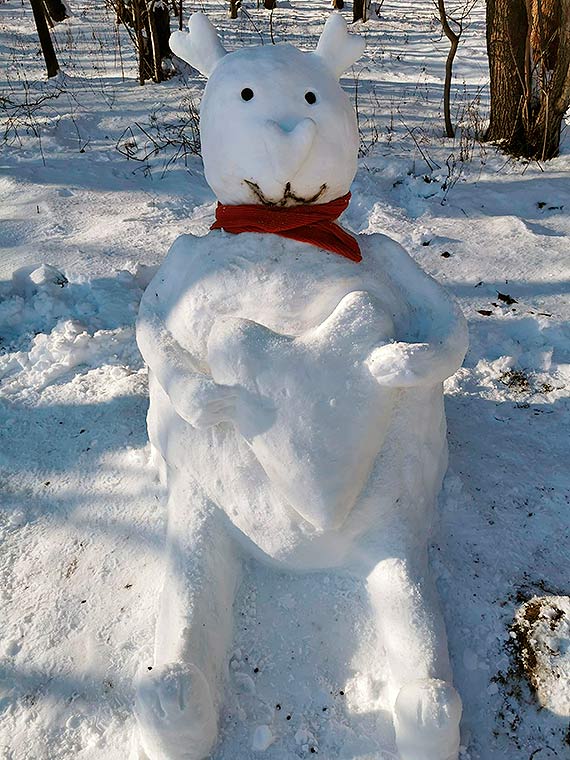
339,49
200,47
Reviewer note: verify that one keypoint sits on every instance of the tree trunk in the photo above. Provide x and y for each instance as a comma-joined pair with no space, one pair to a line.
550,56
507,29
358,10
543,137
150,22
46,43
159,27
529,57
162,21
123,15
454,43
154,44
56,10
138,23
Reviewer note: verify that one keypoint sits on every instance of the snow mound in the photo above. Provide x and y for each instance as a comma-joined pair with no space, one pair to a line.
50,324
542,631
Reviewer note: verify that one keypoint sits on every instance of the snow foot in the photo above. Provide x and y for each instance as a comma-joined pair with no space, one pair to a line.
175,713
426,719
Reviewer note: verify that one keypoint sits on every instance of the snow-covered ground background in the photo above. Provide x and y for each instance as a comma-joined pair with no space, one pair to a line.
82,519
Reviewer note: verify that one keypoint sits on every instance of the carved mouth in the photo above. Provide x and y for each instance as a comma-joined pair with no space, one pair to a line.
287,197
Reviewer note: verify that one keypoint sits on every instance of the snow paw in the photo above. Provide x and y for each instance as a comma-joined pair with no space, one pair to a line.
426,719
357,325
175,713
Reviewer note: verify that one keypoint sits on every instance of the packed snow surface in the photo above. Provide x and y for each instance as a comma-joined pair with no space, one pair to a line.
83,524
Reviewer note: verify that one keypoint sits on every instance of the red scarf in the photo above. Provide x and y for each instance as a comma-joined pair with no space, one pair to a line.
313,224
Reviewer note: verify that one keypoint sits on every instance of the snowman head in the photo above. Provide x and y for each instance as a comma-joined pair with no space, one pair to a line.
275,125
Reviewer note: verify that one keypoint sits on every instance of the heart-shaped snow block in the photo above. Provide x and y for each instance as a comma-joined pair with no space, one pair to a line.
309,407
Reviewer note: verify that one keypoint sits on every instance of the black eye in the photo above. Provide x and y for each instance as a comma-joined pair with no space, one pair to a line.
310,97
246,94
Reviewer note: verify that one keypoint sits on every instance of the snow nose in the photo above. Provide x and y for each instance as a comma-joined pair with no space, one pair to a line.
288,145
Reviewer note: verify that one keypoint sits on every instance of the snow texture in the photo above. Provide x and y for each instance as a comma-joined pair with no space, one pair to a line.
295,407
82,523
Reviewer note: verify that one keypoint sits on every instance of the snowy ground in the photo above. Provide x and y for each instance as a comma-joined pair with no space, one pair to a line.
82,521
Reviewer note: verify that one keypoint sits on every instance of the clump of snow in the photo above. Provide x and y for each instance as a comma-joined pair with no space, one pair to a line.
50,325
262,739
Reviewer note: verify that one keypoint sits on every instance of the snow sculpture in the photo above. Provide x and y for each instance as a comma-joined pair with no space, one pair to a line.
295,394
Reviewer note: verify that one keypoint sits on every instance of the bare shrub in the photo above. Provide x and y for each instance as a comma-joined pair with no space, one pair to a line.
173,139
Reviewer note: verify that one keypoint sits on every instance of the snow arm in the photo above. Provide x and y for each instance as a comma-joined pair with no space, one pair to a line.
436,337
193,393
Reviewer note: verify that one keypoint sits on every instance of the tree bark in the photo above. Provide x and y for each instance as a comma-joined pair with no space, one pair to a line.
159,19
123,15
454,43
529,57
550,51
138,23
56,10
359,10
46,42
154,44
507,29
149,21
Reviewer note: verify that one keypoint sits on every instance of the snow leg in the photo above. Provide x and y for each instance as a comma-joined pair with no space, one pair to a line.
427,708
177,701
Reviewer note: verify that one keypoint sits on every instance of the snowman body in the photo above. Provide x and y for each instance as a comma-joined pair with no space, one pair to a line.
296,406
397,436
